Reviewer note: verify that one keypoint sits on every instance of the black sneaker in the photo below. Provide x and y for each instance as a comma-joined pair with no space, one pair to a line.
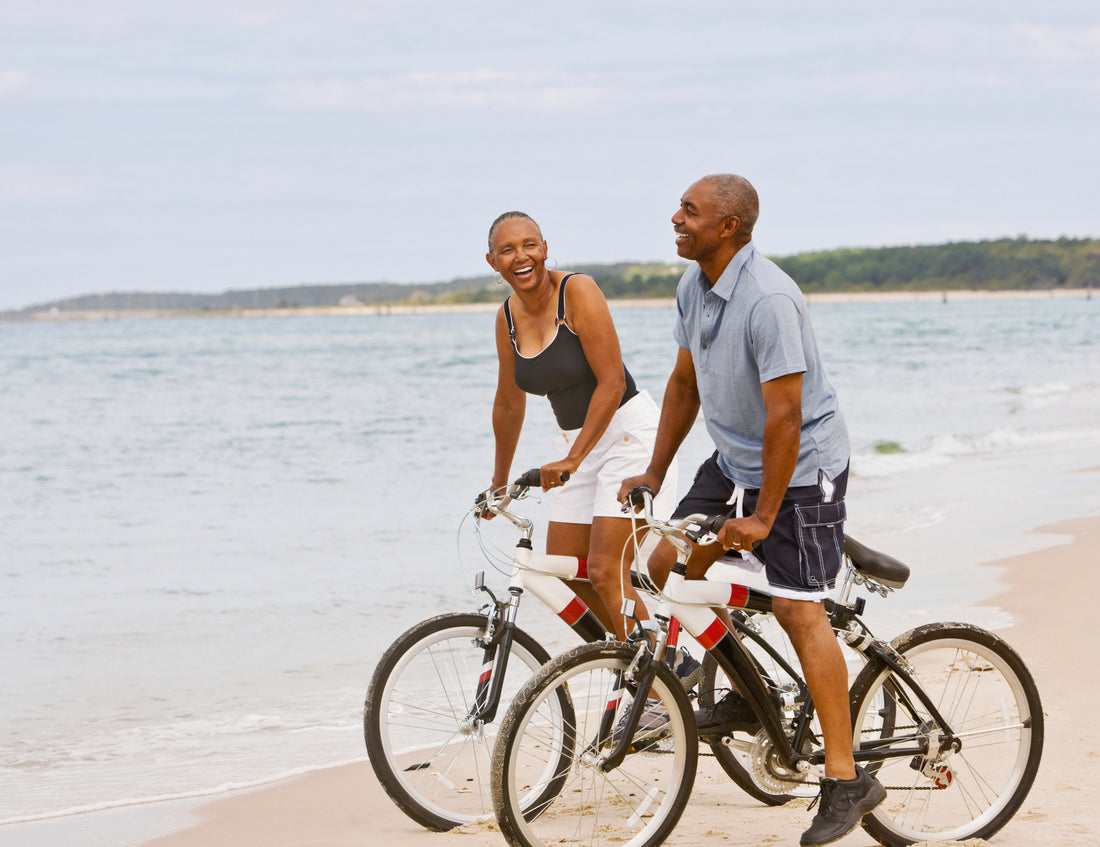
844,802
730,714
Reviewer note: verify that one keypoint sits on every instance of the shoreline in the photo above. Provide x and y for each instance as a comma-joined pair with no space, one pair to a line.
337,806
381,309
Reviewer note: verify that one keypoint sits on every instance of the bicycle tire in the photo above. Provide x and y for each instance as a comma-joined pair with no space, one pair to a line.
985,692
431,763
636,804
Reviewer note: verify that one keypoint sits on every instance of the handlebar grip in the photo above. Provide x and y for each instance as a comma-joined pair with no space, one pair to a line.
634,497
533,478
714,523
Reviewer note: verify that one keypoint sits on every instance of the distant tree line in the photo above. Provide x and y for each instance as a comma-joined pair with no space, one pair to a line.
1008,263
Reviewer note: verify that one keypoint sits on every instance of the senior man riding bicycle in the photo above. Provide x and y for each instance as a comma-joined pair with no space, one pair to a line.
749,359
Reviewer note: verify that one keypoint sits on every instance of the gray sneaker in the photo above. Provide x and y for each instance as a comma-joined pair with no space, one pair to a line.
844,802
687,668
652,727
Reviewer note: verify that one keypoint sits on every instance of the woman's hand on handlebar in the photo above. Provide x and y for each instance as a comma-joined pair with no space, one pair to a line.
556,473
647,480
481,504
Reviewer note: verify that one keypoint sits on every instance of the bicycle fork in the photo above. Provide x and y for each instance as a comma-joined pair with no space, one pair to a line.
640,673
497,644
549,587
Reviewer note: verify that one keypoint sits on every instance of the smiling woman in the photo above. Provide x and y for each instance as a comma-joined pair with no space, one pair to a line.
555,337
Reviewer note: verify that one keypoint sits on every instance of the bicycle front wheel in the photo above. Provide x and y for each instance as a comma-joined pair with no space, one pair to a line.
430,756
635,804
989,703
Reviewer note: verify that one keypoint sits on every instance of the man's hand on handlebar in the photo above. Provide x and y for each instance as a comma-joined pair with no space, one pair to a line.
743,533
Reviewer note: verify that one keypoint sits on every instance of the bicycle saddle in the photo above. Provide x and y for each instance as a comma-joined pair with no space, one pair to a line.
885,569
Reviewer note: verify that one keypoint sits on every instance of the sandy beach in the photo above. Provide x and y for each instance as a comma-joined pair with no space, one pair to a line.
345,806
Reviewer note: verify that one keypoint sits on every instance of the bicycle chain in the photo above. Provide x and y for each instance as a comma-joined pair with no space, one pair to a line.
887,787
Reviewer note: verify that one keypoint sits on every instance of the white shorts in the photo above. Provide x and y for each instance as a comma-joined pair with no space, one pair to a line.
624,450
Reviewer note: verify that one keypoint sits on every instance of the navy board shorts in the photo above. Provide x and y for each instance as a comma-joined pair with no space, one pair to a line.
803,551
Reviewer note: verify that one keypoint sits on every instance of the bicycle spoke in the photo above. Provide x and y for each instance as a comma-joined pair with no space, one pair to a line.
579,801
432,759
977,767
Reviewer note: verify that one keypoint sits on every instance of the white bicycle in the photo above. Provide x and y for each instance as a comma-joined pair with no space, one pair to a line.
430,712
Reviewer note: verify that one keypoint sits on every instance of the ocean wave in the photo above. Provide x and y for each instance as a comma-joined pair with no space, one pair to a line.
224,788
1053,394
888,458
257,746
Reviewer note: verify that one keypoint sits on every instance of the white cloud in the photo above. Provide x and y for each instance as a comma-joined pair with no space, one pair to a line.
12,82
41,189
474,89
1062,44
259,18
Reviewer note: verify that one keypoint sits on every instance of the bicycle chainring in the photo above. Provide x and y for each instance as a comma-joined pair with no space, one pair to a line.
769,773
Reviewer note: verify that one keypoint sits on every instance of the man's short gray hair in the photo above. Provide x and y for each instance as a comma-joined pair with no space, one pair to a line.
735,197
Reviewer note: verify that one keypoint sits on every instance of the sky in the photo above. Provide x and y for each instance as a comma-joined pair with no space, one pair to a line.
202,146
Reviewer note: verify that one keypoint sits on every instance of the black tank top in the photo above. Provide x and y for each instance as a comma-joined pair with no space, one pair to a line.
560,371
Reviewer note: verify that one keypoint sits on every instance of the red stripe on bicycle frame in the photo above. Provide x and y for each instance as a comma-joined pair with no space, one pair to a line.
486,673
713,634
572,613
739,596
582,567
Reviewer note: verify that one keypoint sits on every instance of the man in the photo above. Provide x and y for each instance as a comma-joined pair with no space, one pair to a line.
748,358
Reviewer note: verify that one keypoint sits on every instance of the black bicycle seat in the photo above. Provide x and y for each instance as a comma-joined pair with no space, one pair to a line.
883,568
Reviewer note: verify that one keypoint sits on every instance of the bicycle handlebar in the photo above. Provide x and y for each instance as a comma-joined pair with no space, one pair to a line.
533,477
713,524
694,527
491,502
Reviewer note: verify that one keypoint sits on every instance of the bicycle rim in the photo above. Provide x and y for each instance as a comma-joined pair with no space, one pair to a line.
431,759
988,698
636,804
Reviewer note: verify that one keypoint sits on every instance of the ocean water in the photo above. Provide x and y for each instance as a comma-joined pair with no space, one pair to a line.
211,528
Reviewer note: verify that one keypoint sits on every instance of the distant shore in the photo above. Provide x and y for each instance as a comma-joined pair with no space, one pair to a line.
57,315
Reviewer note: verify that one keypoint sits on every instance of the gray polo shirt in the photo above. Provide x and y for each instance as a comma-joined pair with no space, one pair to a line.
752,327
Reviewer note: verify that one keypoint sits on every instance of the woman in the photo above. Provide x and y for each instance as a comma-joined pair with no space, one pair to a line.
555,337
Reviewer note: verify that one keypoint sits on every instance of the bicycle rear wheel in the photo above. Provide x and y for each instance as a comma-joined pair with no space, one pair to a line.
990,703
636,804
431,759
